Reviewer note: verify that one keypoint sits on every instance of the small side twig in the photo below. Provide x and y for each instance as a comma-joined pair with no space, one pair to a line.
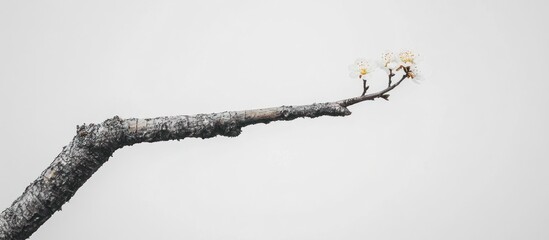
365,87
350,101
391,75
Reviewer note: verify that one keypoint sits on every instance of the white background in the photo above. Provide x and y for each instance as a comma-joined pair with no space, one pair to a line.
463,155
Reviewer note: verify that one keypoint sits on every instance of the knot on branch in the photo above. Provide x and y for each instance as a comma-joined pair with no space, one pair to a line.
340,110
286,111
330,109
230,129
212,125
115,121
105,137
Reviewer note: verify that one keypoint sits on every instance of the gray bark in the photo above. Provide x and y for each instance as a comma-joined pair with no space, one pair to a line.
95,143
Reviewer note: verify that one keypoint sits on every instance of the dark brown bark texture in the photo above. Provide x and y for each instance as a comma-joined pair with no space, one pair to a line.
95,143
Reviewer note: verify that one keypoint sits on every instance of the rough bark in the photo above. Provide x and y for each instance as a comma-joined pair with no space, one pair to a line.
95,143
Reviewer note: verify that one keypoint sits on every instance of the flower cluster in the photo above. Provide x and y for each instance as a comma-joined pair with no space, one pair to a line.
406,61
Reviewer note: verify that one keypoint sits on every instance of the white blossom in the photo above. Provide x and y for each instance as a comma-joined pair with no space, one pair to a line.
388,62
360,69
388,58
417,73
408,57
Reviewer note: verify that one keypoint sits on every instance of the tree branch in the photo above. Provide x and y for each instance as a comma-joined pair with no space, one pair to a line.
95,143
381,94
